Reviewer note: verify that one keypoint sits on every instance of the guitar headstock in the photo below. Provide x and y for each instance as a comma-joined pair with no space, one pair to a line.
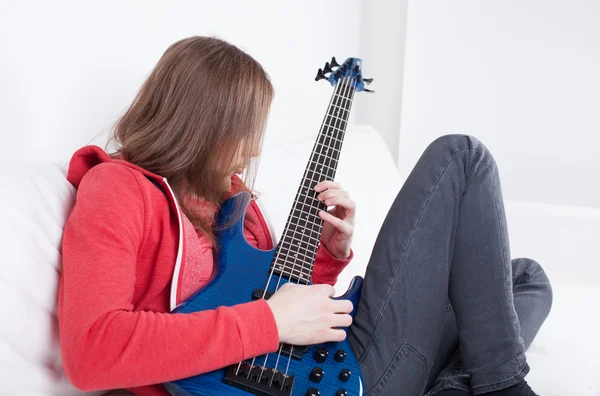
351,69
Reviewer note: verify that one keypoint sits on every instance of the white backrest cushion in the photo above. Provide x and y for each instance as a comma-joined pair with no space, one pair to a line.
34,205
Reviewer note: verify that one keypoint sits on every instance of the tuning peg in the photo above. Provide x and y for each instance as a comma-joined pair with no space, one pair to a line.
333,62
368,80
320,75
369,90
327,68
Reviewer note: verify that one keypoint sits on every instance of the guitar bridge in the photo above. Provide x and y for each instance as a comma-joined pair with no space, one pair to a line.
259,380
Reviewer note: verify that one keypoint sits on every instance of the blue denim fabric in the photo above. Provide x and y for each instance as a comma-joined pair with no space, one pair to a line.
440,271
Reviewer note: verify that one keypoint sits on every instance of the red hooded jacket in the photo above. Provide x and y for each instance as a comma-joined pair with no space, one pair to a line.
123,253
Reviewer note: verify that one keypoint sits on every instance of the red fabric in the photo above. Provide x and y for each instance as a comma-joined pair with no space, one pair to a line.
199,256
119,249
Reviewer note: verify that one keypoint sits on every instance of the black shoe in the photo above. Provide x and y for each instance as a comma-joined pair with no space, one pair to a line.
520,389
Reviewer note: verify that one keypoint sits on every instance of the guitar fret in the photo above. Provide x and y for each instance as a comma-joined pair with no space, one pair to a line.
300,240
302,275
298,266
293,253
333,127
337,118
315,239
333,138
340,108
295,269
307,188
314,172
322,165
298,218
343,97
325,152
309,245
332,148
312,210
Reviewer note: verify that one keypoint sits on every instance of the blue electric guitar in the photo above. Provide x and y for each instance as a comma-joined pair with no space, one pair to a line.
245,273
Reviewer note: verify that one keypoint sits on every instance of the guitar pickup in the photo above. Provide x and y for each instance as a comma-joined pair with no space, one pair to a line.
259,380
258,294
296,354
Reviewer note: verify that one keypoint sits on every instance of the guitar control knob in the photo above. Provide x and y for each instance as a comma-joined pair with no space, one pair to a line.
340,355
341,392
313,392
344,375
321,355
316,375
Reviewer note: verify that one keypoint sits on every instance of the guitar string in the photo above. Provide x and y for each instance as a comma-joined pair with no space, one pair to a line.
277,256
293,267
343,99
348,83
315,149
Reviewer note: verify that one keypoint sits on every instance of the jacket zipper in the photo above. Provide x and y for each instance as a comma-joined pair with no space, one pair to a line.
178,260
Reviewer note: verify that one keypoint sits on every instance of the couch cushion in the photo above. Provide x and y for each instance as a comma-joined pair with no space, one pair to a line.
34,206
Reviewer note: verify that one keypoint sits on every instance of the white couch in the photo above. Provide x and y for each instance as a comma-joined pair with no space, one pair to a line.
36,201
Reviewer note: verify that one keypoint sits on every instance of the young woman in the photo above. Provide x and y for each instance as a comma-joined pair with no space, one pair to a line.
444,310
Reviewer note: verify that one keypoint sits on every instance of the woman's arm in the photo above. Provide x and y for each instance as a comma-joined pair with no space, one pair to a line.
104,342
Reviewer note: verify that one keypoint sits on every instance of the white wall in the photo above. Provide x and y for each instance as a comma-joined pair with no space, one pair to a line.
68,69
521,75
383,34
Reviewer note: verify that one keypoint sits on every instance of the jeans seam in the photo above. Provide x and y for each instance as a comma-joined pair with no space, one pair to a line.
495,385
406,250
392,366
507,290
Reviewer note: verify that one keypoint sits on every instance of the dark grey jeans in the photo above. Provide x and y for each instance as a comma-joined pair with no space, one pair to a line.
443,305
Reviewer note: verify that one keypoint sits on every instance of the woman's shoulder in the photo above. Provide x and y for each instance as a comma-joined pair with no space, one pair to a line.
110,177
112,186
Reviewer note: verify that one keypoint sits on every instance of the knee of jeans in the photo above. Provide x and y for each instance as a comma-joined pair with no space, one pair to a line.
526,270
452,142
457,142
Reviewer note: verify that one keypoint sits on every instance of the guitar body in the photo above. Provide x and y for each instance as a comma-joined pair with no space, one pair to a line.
240,270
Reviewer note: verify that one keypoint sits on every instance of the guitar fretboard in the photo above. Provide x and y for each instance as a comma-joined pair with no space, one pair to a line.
297,249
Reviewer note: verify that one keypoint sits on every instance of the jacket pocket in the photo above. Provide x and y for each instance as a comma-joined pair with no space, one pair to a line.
405,376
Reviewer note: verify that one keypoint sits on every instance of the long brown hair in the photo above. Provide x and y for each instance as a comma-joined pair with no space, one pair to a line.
203,107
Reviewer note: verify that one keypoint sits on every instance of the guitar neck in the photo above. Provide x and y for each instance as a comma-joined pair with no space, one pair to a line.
297,249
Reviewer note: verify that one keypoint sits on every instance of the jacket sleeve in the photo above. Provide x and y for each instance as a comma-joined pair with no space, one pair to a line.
105,344
327,266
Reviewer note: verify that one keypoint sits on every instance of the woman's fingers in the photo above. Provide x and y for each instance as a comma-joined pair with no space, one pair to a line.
326,184
344,202
332,193
342,226
342,320
336,335
342,306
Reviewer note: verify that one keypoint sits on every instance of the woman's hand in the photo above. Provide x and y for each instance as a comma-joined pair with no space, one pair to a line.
338,225
307,315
